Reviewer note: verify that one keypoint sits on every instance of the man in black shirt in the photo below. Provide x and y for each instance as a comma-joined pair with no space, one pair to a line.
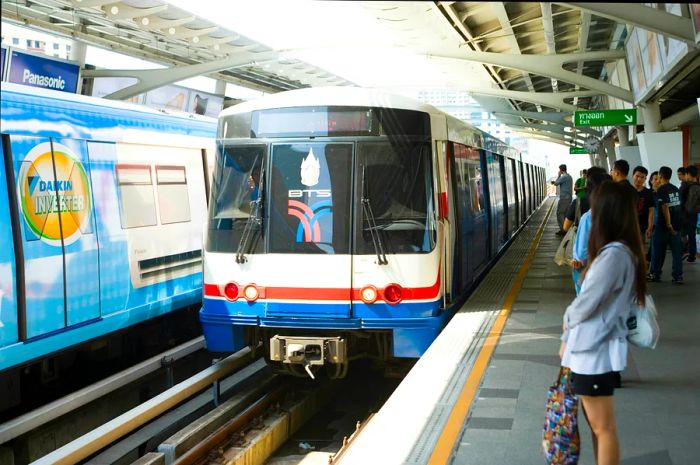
690,201
645,202
666,229
619,173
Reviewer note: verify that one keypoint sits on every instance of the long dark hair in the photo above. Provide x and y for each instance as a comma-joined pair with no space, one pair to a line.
614,218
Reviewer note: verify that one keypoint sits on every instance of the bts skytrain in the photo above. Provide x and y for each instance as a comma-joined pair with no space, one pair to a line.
347,223
101,205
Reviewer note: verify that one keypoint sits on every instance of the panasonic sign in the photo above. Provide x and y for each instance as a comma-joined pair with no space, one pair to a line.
38,71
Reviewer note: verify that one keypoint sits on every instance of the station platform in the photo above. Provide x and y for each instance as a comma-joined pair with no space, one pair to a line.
496,359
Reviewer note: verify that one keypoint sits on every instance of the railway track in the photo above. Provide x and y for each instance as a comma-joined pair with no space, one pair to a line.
234,412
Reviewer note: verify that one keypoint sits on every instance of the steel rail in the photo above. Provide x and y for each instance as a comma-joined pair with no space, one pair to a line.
219,436
111,431
31,420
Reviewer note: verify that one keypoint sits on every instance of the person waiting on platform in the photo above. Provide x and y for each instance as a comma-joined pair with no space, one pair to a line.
565,184
580,185
645,202
691,207
595,177
594,344
619,173
667,228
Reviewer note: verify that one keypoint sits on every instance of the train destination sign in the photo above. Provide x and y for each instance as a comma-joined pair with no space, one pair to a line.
577,151
605,117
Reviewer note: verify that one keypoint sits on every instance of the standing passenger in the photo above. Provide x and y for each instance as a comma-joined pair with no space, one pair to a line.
645,202
666,229
565,184
620,171
580,185
594,344
595,177
691,209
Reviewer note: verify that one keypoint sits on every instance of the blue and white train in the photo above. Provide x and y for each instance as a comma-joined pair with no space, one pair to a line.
347,223
101,205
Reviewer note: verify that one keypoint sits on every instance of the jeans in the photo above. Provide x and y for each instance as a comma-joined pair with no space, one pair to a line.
689,232
562,207
659,240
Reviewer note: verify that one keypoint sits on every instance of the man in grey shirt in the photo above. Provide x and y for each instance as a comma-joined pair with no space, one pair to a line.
565,184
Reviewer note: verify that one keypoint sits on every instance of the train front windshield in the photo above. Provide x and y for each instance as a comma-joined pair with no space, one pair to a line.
370,194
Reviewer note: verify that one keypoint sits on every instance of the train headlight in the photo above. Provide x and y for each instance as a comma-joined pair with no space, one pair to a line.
369,294
231,291
251,293
393,294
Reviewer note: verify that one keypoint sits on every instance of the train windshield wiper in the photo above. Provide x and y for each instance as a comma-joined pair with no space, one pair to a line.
373,230
254,223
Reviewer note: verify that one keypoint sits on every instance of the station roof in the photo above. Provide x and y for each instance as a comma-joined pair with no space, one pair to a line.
529,63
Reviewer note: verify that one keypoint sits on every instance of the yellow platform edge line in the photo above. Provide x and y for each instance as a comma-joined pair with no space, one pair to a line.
446,442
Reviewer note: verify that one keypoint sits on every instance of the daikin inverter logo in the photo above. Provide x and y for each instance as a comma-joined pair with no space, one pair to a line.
55,204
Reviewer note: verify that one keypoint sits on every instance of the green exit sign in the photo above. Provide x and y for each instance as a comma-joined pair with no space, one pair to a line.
605,117
577,151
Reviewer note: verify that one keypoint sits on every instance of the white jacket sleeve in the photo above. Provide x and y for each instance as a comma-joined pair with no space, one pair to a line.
604,277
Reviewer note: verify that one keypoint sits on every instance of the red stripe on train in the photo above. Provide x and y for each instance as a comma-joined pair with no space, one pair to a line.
323,293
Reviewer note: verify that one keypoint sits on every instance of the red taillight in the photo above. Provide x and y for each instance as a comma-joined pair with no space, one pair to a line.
231,291
393,294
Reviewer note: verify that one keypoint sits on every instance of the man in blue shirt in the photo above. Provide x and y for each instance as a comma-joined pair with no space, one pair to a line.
667,227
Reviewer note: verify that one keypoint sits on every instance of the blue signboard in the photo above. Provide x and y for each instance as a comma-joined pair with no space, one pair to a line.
44,72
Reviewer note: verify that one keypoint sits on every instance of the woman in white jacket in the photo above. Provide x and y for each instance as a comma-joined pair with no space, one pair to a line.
594,344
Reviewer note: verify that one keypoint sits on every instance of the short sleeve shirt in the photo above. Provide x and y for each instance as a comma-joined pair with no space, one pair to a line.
580,183
668,194
645,201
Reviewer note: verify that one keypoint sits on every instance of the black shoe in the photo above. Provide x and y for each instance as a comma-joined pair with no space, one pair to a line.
559,233
653,278
677,281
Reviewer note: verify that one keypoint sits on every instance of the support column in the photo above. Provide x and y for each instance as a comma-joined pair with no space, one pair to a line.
591,158
623,136
602,158
220,88
652,117
78,50
657,148
610,151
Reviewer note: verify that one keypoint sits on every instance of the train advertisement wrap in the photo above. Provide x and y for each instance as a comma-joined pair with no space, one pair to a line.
55,194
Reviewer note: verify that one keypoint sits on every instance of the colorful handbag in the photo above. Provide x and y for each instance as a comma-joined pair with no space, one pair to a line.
560,439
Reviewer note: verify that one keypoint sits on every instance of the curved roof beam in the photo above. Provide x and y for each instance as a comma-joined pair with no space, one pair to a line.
645,17
121,10
551,66
550,99
150,79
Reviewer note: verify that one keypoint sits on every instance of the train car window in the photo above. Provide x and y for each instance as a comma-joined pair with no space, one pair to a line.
395,176
235,187
137,205
173,197
309,198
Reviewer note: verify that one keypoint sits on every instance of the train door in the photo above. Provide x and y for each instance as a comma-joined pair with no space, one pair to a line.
80,244
9,325
55,207
513,197
496,198
522,191
506,195
310,185
41,236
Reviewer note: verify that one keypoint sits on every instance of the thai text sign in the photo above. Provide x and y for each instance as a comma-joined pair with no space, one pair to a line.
605,117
